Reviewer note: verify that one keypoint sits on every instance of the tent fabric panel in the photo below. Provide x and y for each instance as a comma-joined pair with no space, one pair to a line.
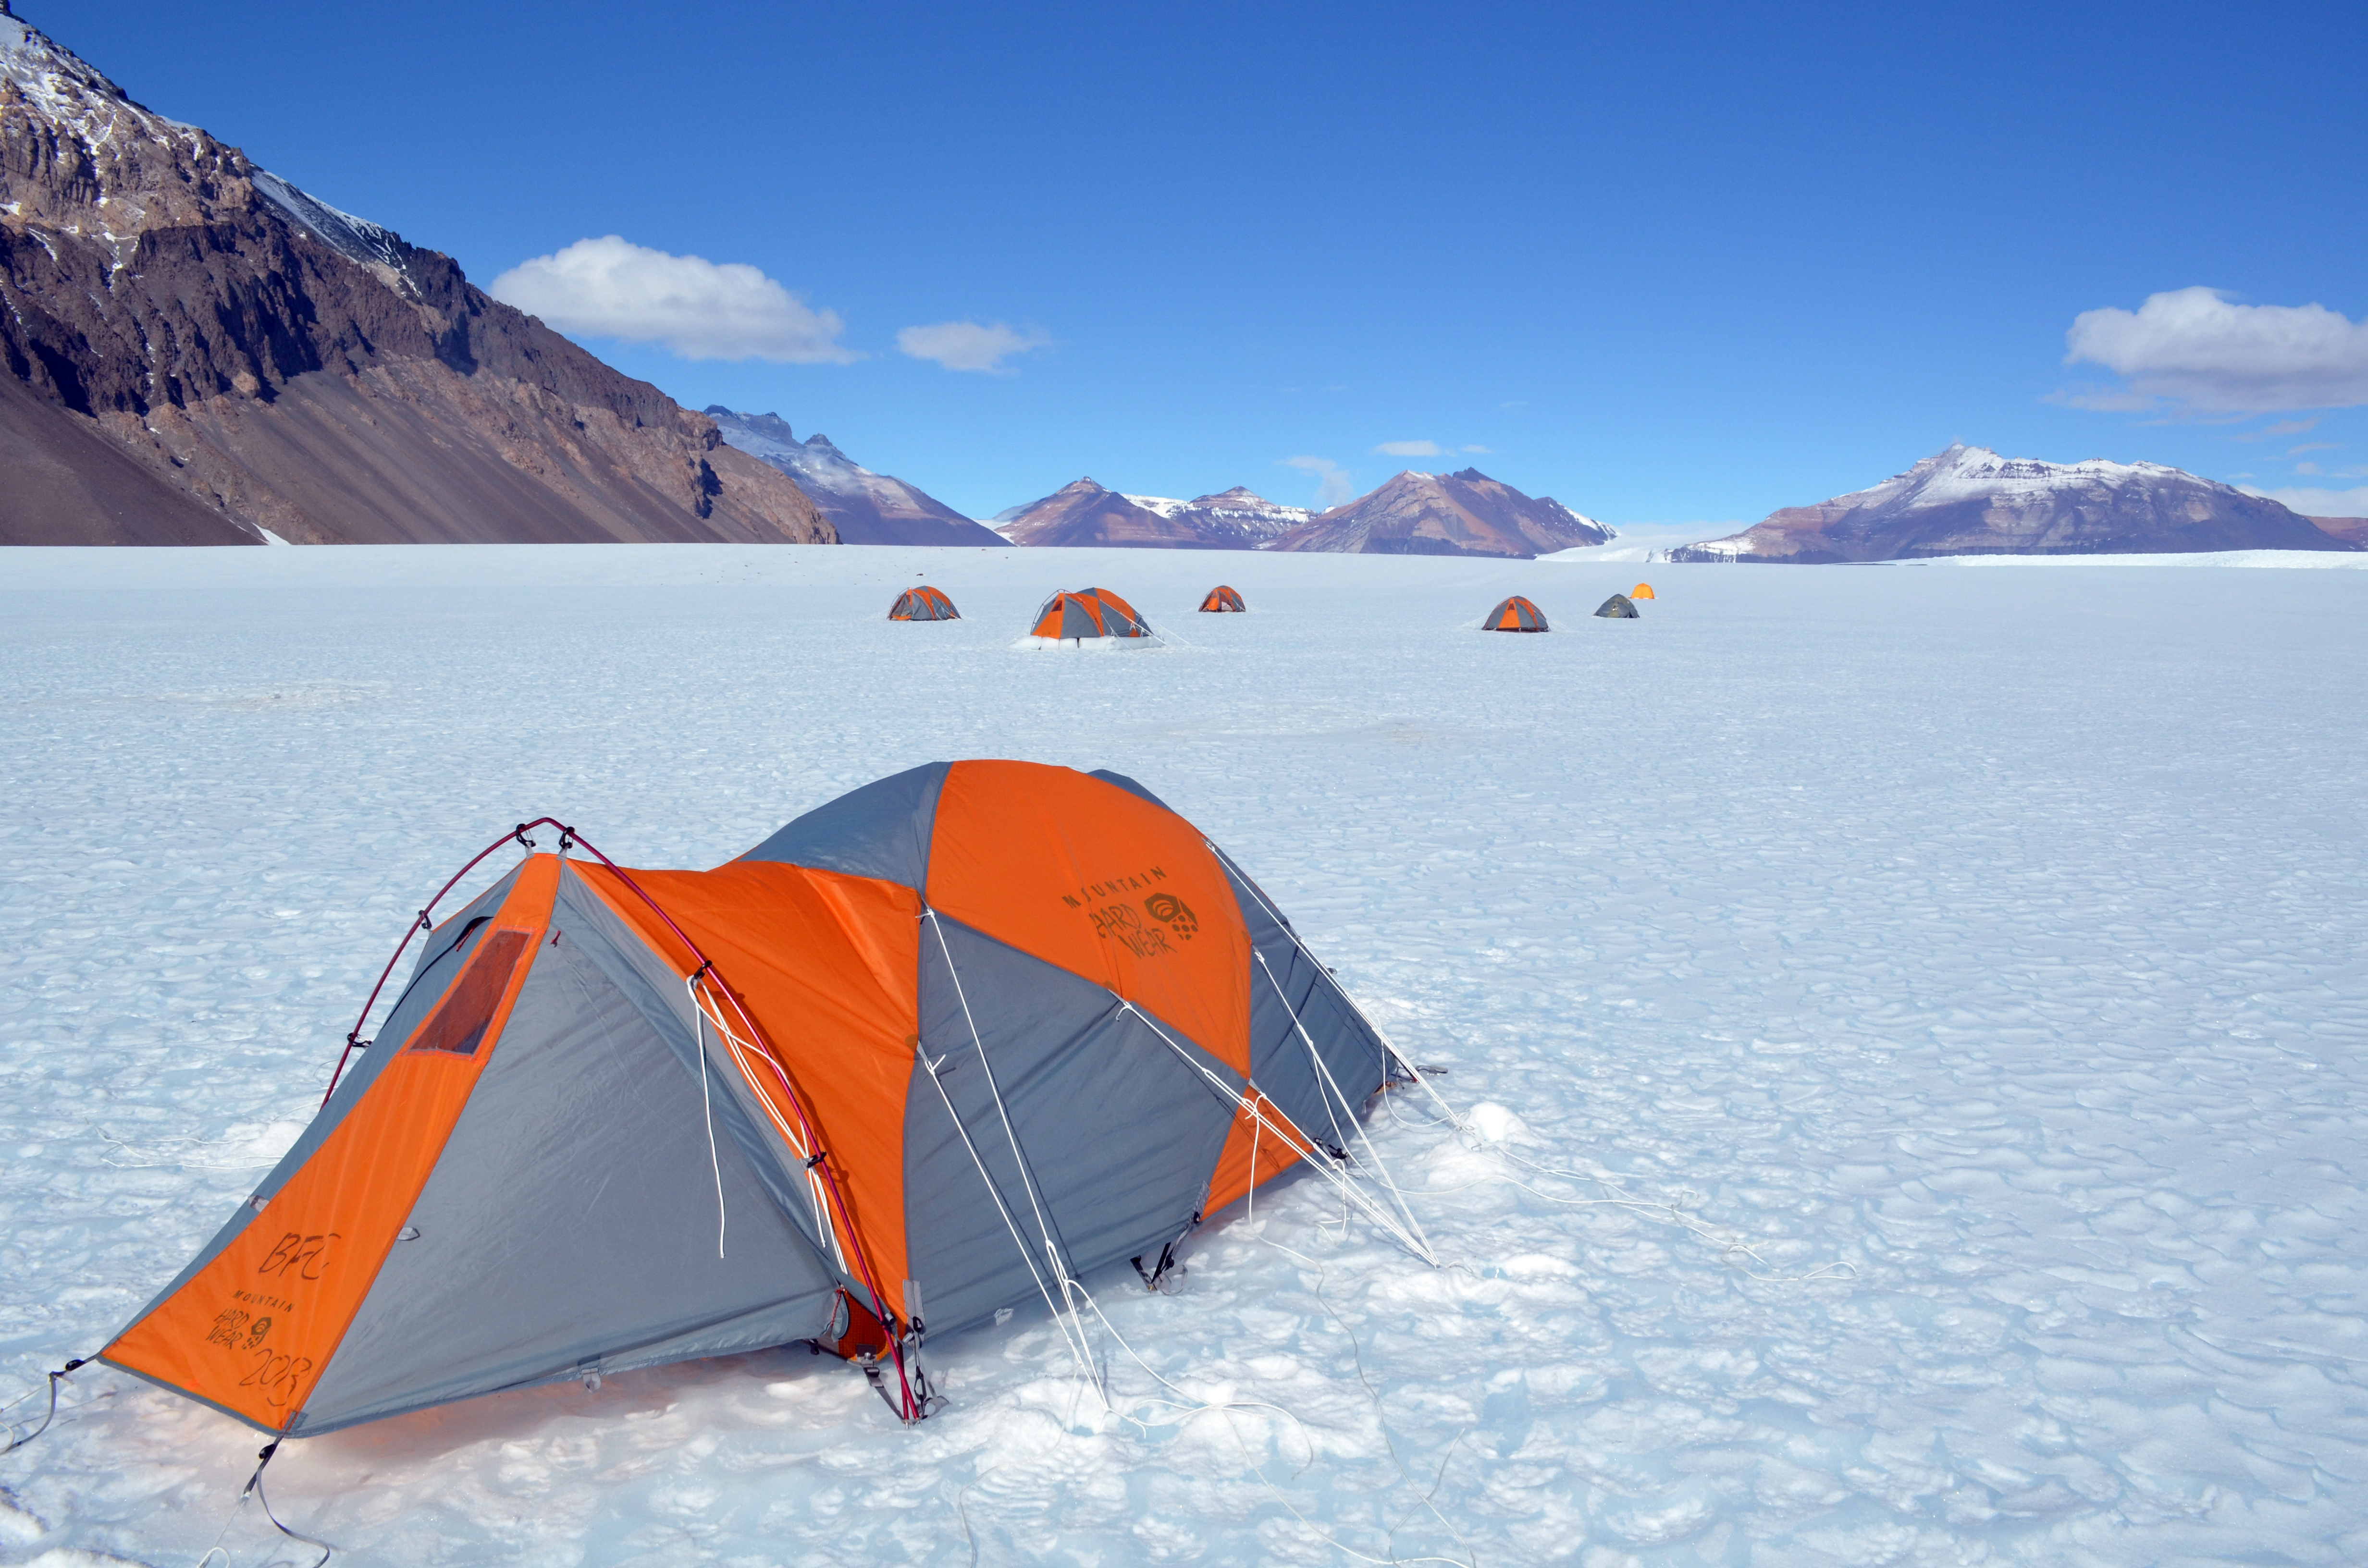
1110,601
1086,875
651,983
449,946
1130,786
1077,617
879,830
825,964
570,1217
1120,1135
257,1328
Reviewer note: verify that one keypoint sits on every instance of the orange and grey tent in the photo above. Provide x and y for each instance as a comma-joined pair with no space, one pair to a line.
1221,599
923,604
1642,591
1088,613
970,1032
1516,614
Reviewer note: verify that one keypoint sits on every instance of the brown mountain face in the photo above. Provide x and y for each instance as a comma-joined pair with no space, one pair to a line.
1970,501
248,358
1085,513
2353,532
1446,514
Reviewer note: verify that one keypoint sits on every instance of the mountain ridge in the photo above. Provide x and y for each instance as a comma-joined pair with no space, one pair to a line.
1464,513
865,507
1969,500
271,365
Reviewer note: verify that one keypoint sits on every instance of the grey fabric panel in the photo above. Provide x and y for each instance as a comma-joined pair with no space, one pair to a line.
1130,786
1076,620
1116,621
448,947
1122,1137
655,991
570,1218
881,830
1280,1058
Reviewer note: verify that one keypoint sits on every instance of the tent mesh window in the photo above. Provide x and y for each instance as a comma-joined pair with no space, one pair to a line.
459,1023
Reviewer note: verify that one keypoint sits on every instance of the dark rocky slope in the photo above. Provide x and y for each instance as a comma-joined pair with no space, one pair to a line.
275,364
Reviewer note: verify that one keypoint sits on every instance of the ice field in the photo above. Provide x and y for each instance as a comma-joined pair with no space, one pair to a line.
1962,975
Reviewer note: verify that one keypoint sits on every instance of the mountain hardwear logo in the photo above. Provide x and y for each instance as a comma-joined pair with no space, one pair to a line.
1176,912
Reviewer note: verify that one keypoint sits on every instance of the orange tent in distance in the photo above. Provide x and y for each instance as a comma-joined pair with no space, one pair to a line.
923,604
1516,614
1221,599
1641,591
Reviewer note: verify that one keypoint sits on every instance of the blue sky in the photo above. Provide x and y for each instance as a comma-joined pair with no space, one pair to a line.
1666,264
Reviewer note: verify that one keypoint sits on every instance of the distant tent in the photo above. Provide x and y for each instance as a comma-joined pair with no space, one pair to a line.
1222,598
1641,591
923,604
1617,608
1516,614
624,1118
1087,615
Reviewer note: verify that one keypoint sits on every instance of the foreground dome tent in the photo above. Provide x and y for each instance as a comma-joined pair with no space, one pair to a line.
1222,600
958,1038
923,604
1619,607
1516,614
1087,616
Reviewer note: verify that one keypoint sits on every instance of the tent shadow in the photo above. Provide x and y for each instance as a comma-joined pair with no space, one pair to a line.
514,1415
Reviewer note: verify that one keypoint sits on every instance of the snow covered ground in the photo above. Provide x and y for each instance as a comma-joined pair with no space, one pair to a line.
1986,951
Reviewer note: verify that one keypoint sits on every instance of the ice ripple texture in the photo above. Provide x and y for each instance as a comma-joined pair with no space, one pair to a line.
1986,945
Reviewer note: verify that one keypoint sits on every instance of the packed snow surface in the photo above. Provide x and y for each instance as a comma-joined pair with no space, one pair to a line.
1910,1029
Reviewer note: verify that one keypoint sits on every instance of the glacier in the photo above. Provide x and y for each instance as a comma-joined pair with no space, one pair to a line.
1909,1027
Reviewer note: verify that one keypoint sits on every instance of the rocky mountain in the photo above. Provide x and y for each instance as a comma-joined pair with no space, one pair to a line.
1446,514
1238,519
1085,513
194,351
1970,501
866,507
2353,532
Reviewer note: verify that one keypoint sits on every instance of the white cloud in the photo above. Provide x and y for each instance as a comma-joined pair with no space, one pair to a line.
699,309
1408,449
969,344
2198,349
2352,503
1484,450
1332,486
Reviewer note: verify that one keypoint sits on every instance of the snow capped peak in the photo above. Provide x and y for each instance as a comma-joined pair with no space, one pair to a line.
1970,500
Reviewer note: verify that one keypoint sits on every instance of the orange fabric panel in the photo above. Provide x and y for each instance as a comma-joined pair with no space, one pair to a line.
256,1328
1102,882
1274,1155
1100,596
1050,625
829,968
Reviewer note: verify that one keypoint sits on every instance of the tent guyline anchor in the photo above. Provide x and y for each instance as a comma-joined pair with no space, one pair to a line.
254,1489
15,1441
831,1201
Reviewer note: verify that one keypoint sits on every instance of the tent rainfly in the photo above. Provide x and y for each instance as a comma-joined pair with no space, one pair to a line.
1090,614
1516,614
923,604
963,1035
1617,608
1222,601
1642,591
